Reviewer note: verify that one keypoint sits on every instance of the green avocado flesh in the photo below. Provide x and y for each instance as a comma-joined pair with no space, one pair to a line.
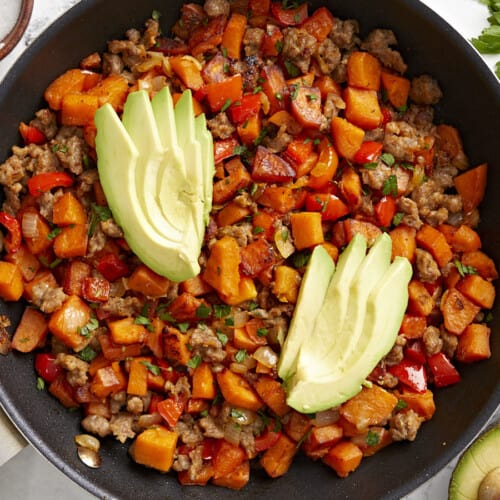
355,326
480,459
155,165
315,282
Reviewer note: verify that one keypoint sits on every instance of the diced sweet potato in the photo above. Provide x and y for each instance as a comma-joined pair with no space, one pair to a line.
31,331
155,447
474,344
147,282
237,391
286,284
362,108
236,479
435,242
273,394
306,229
420,301
344,458
483,264
404,242
277,460
347,137
471,186
68,210
397,88
458,311
461,239
125,331
203,382
420,402
363,71
175,346
477,289
11,281
71,241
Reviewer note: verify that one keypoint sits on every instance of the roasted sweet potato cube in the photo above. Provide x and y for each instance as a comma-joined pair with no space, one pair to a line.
175,346
31,331
237,391
458,311
272,393
420,300
477,289
11,281
68,210
155,447
277,460
147,282
71,241
474,344
126,331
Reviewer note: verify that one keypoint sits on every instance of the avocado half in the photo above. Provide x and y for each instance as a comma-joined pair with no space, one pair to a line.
477,474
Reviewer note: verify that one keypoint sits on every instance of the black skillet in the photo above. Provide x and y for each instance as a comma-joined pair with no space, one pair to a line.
472,103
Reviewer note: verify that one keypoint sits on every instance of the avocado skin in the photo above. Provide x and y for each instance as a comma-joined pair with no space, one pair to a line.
481,457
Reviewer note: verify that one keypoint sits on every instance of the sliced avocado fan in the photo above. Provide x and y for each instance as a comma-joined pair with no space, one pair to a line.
355,327
155,166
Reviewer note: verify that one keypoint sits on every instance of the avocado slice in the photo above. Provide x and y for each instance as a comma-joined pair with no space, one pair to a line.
117,162
319,272
334,307
206,141
385,307
477,474
336,344
172,188
160,178
188,142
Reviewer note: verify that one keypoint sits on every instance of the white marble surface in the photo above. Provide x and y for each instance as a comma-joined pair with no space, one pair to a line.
28,475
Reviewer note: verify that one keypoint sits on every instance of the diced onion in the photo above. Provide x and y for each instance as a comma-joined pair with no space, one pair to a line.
240,318
327,417
148,420
29,225
238,368
266,356
283,241
242,416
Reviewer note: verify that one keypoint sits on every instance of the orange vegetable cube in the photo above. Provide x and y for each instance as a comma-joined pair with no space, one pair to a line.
477,289
307,230
11,281
71,241
228,91
420,402
67,322
363,71
458,311
344,458
222,268
277,460
420,301
78,109
233,35
483,264
236,479
471,186
73,80
347,137
155,448
250,130
231,214
40,243
474,344
68,210
31,331
237,391
175,346
272,393
397,88
126,331
28,264
113,89
188,71
138,377
412,327
461,239
203,382
434,242
362,108
108,380
404,242
147,282
286,284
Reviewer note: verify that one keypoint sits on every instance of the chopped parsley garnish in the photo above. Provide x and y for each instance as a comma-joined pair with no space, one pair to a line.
86,330
372,438
154,369
54,233
166,316
183,327
371,165
463,269
293,71
240,150
203,311
59,148
156,14
229,321
236,414
225,105
87,354
390,186
388,159
241,355
278,46
300,259
144,321
400,405
195,361
257,89
398,217
488,42
262,332
258,230
40,383
295,92
221,310
261,136
223,338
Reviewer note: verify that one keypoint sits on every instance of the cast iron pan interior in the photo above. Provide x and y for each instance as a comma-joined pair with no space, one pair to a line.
472,98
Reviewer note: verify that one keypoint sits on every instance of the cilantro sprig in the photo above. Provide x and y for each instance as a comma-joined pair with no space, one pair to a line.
488,42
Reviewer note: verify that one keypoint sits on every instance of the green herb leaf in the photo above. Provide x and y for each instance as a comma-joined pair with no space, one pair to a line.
221,310
229,321
87,354
86,330
262,332
463,270
154,369
183,327
203,311
226,105
388,159
222,337
241,355
398,217
54,233
370,166
40,383
401,405
300,259
258,230
372,438
252,306
390,186
292,69
195,361
144,321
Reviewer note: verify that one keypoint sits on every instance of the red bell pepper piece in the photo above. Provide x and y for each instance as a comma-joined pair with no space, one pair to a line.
443,371
225,149
112,267
386,115
289,17
272,42
172,408
415,351
41,183
368,152
31,135
95,289
249,105
330,206
269,167
13,239
153,404
410,374
269,437
46,366
208,450
385,210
